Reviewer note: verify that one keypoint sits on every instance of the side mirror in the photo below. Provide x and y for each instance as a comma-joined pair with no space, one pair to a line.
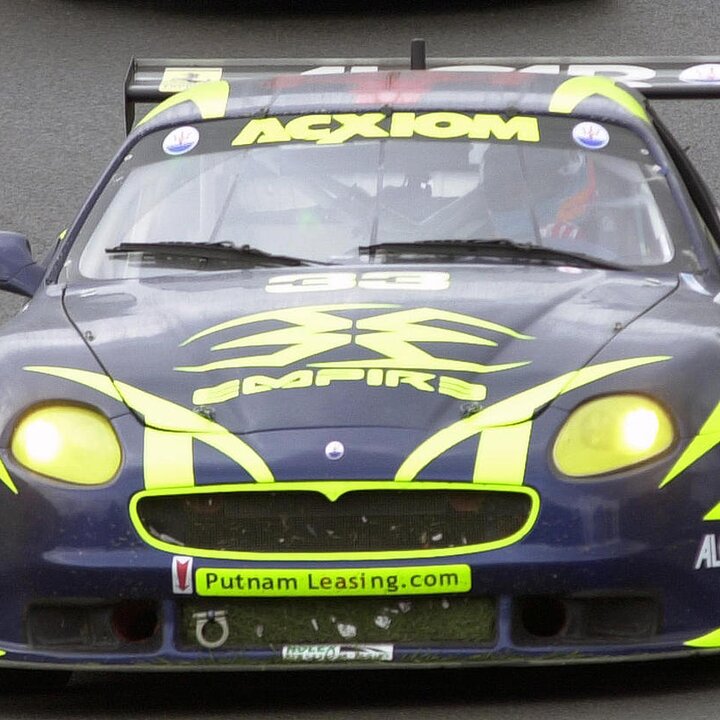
19,273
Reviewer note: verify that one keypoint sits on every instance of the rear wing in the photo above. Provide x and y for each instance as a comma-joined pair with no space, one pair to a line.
668,78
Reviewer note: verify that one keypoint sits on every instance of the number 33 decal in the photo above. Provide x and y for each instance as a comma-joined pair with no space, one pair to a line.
317,282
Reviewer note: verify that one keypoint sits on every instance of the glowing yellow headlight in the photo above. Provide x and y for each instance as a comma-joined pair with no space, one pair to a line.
69,443
611,433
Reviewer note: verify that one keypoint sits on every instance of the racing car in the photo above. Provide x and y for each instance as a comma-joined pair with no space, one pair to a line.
345,364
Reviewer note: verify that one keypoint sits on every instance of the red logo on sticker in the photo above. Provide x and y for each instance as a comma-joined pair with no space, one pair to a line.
182,575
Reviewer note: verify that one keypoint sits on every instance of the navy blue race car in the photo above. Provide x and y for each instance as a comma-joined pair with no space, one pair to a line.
401,367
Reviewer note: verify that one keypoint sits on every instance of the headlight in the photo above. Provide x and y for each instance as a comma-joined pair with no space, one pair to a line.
69,443
611,433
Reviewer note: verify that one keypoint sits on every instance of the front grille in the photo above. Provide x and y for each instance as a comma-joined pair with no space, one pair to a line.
358,521
259,622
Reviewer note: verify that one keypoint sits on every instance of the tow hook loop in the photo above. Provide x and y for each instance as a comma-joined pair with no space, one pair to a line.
211,628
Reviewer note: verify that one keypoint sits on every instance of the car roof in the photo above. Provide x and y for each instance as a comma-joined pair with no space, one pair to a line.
591,97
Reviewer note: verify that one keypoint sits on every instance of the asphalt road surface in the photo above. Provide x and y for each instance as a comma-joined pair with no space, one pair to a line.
646,691
62,65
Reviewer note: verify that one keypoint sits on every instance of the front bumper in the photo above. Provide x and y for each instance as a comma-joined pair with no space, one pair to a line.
116,608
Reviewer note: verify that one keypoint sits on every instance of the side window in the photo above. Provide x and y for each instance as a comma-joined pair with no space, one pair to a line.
712,241
706,208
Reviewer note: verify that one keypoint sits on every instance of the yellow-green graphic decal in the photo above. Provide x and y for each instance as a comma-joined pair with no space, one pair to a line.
385,343
2,652
503,430
170,432
573,91
510,423
217,582
338,128
210,99
710,640
707,438
6,480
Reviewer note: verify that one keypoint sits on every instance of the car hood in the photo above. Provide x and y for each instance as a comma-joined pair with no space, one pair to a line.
408,350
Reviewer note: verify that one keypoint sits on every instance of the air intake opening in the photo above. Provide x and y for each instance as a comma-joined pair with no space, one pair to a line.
74,624
543,617
134,620
584,618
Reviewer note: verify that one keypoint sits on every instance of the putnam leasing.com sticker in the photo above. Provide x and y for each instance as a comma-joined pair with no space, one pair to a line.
336,582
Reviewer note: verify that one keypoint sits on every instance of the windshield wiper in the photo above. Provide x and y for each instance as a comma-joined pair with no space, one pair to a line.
217,251
494,247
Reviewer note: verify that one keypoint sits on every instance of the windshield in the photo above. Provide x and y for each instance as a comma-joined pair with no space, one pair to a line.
578,187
